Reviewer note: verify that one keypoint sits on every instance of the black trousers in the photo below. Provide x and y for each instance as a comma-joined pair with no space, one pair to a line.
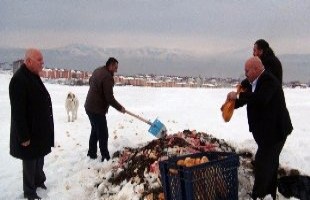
266,169
99,132
33,175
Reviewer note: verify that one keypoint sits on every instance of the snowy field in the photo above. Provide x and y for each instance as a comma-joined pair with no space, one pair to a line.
72,175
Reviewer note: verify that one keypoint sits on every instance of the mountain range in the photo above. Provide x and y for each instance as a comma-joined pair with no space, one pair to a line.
160,61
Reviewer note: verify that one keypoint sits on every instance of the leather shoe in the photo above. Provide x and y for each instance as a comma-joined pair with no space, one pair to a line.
43,186
32,197
107,158
92,156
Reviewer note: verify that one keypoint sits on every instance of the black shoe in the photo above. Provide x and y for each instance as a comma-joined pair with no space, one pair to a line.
92,156
274,196
254,197
103,158
43,186
32,197
107,158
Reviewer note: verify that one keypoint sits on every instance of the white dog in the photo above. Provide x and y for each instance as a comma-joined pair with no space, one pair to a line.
72,105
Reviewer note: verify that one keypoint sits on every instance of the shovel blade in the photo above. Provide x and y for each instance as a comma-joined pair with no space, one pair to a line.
158,129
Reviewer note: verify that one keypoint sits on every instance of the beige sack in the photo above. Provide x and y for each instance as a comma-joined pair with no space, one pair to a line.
229,106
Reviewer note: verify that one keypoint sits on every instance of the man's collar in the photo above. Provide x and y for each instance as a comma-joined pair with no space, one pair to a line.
255,81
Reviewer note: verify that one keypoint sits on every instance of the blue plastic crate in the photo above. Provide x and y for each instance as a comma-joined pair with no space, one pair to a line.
214,180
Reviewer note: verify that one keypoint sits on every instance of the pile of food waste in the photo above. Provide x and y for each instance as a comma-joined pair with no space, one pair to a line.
139,167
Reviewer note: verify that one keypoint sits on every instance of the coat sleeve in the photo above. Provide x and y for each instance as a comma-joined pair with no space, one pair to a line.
239,103
242,96
18,98
108,94
266,87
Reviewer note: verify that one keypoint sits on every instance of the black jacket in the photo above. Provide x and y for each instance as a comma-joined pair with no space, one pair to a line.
268,117
273,65
31,116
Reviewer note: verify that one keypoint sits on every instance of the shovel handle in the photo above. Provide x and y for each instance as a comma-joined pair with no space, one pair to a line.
138,117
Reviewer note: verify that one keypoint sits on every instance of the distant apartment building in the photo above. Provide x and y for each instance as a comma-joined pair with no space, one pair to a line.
64,74
160,81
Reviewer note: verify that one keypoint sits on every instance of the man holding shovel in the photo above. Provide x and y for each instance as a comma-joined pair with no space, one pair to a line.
99,98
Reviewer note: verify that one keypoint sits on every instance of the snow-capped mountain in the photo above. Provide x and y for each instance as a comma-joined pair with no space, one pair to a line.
164,61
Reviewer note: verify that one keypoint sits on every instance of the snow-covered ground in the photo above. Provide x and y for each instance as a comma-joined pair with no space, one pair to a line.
72,175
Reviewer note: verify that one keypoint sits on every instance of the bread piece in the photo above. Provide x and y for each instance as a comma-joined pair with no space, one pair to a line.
189,162
204,159
197,161
180,162
173,171
161,196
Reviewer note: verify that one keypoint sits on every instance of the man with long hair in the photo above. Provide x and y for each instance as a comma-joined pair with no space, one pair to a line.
270,61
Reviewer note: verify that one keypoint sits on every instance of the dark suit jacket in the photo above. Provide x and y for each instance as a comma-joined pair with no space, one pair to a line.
273,65
31,116
100,94
268,117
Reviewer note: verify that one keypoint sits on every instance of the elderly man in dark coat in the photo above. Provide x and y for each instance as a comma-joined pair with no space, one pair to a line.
268,120
32,126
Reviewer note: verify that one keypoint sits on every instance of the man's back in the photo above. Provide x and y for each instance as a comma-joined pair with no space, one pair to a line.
273,65
100,93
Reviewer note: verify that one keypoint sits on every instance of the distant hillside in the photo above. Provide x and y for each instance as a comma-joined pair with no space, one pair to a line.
296,67
160,61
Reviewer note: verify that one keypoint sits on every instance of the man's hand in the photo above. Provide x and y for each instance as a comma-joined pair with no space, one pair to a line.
232,96
26,143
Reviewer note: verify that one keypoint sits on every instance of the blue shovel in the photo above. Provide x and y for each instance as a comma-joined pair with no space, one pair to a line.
157,128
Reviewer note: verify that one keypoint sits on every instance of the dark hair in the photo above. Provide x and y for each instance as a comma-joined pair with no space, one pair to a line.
111,61
263,45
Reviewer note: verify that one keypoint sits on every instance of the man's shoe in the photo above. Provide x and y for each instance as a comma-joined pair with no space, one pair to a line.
32,197
92,156
102,159
107,158
252,196
43,186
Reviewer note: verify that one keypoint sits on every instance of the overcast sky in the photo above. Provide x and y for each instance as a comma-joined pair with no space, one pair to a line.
202,26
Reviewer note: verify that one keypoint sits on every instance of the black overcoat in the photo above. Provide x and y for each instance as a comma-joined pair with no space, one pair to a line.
268,117
31,116
273,65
